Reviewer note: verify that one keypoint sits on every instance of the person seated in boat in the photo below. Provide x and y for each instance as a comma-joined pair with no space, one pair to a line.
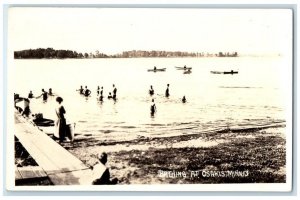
44,94
152,108
100,173
154,68
184,67
30,95
109,96
167,93
87,92
151,91
80,90
183,99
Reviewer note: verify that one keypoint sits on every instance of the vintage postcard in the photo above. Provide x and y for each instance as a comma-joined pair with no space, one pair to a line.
155,99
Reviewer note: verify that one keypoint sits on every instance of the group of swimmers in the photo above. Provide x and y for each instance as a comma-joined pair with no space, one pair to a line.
113,95
86,92
26,109
167,94
44,94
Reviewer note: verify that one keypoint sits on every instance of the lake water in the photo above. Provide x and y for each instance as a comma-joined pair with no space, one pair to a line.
255,96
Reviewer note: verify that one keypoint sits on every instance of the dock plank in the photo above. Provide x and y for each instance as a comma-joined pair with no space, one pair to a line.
82,177
17,174
30,172
59,165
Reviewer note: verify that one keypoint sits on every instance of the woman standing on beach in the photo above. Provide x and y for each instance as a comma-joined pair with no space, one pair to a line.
60,128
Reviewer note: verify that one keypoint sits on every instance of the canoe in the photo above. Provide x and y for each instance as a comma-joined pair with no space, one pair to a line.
182,68
157,70
224,72
231,72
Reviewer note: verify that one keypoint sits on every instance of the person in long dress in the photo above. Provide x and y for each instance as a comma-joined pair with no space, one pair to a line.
60,129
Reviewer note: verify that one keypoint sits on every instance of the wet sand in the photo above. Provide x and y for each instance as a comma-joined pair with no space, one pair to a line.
240,156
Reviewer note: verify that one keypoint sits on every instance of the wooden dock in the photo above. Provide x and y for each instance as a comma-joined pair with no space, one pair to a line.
57,163
29,174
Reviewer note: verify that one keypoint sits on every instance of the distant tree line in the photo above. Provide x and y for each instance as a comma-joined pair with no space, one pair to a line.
137,54
60,54
46,53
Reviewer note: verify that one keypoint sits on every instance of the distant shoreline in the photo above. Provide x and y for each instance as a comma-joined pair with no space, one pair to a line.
51,53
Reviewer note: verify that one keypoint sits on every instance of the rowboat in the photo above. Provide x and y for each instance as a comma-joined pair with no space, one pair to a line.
224,72
157,70
183,68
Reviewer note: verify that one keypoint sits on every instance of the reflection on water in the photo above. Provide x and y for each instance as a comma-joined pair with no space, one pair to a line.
214,101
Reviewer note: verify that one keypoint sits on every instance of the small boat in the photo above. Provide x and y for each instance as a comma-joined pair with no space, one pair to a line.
183,68
157,70
231,72
43,122
224,72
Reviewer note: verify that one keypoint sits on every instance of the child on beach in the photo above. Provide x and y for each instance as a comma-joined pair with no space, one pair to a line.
101,175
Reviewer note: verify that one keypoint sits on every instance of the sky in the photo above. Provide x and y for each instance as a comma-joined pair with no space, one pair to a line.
114,30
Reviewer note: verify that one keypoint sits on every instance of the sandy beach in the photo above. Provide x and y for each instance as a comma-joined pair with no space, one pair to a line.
240,156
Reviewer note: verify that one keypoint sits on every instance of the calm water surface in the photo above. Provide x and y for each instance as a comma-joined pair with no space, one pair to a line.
254,96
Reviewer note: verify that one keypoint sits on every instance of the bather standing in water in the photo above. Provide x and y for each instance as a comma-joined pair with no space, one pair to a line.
114,92
30,95
167,94
44,94
183,99
109,96
87,92
151,91
80,90
98,91
101,97
50,92
152,108
101,91
60,125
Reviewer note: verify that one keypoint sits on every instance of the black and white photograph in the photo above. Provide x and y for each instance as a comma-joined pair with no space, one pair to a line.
112,98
